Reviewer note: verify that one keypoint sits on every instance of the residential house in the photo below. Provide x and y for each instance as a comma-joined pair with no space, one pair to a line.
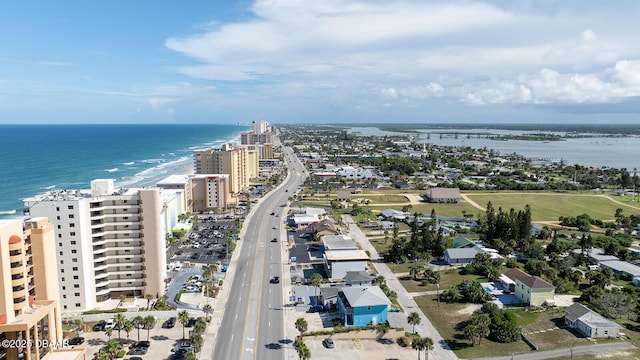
329,296
392,214
460,256
338,262
322,228
530,289
344,195
443,195
359,278
622,268
359,306
589,323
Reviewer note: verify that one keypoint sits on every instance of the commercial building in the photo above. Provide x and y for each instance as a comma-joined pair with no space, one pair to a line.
108,242
29,308
226,160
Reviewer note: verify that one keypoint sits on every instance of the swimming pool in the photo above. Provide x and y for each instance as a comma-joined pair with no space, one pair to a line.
488,289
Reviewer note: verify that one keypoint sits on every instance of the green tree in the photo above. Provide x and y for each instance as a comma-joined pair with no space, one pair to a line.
208,310
482,323
138,322
149,322
303,351
112,348
119,321
108,332
149,297
301,325
428,346
183,318
128,326
414,319
316,281
197,340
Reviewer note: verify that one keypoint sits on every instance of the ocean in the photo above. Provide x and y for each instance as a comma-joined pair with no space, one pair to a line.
37,158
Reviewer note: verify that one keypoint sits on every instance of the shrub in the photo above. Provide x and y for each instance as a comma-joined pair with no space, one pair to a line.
403,341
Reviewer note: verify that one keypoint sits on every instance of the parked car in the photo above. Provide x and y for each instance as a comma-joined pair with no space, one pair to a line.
99,326
111,323
316,308
328,342
191,322
274,240
76,340
170,323
138,350
275,280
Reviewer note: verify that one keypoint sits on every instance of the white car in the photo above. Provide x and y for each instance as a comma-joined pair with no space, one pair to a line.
111,323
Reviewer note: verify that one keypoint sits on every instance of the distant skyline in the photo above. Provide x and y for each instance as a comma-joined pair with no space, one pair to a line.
320,61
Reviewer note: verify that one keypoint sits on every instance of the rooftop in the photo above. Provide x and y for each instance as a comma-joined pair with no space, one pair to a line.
345,255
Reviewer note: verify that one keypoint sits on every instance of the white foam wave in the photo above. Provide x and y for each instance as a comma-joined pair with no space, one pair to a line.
8,212
129,163
112,170
49,187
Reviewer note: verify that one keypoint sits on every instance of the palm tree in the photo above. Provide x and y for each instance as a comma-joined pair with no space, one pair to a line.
102,355
303,351
119,320
428,346
418,344
199,327
197,340
414,270
108,332
183,318
316,280
128,326
208,310
414,319
190,356
149,322
149,297
138,322
301,325
122,299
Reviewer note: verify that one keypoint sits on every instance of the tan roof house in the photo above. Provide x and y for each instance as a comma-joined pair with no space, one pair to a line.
529,289
322,228
443,195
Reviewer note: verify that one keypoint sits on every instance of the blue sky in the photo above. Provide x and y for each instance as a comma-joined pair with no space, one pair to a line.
319,61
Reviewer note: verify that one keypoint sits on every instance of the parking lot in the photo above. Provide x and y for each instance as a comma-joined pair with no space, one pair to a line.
162,340
207,244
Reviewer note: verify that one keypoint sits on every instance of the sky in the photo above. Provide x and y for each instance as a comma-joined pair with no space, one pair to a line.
320,61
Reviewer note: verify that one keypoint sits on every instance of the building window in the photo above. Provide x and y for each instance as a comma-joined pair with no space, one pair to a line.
71,216
73,242
58,217
62,271
59,227
64,288
60,244
64,297
76,286
72,233
70,207
76,294
61,279
60,235
78,304
75,277
72,225
61,262
73,251
60,253
57,208
65,307
74,260
75,268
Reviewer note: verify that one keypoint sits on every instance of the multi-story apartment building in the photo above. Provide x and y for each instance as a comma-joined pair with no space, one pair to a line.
261,133
226,160
202,191
109,242
29,308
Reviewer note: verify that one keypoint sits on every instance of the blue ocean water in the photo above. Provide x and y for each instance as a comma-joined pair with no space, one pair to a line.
36,158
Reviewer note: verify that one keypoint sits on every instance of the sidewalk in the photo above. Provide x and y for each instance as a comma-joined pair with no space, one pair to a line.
441,350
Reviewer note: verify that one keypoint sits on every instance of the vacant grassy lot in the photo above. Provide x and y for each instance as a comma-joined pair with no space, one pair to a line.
382,199
550,206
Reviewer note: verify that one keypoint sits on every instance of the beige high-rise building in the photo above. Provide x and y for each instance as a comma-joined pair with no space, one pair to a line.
227,160
261,133
29,308
108,242
202,191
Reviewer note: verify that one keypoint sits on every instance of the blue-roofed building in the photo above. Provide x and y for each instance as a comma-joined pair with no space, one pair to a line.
359,306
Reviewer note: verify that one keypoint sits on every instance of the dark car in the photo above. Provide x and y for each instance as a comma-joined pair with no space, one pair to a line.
76,340
144,344
179,252
171,322
99,326
273,213
195,256
275,280
274,240
191,322
138,350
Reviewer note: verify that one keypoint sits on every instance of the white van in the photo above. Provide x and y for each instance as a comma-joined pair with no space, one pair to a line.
178,267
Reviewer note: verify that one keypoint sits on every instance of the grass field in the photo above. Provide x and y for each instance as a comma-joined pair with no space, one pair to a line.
382,199
550,206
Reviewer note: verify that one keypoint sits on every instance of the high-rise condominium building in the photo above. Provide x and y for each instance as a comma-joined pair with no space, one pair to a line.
29,308
201,191
226,160
108,242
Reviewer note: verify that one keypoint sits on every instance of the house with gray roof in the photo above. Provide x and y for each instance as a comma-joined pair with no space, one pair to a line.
589,323
460,256
359,278
359,306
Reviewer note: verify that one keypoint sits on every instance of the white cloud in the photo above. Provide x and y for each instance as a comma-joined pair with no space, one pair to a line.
474,52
